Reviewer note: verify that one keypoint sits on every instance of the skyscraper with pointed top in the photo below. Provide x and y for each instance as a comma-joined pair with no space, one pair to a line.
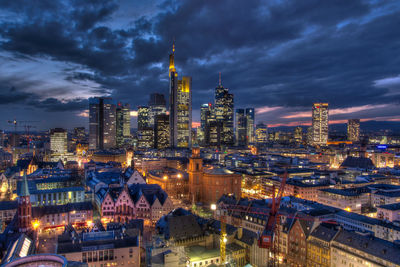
180,106
224,109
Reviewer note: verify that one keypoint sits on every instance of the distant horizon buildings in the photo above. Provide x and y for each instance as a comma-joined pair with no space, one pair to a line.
320,122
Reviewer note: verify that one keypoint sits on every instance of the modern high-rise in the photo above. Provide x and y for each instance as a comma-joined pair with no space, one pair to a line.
241,131
123,124
261,136
143,119
320,122
180,106
145,131
206,111
250,125
224,109
353,130
161,131
58,144
102,123
157,106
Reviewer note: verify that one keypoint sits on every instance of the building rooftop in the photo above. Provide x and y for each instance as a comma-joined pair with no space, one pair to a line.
393,206
218,171
377,247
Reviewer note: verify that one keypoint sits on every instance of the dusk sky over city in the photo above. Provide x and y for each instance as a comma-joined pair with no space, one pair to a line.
274,56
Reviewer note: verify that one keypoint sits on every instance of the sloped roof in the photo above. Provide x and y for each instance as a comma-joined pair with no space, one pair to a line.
371,245
357,162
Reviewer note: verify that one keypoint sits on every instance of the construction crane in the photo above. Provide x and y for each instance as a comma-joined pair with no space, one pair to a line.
26,126
268,238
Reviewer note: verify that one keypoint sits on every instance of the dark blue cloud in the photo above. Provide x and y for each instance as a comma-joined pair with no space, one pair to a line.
271,53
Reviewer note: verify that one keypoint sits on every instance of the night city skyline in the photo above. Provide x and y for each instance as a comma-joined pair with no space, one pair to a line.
200,133
277,56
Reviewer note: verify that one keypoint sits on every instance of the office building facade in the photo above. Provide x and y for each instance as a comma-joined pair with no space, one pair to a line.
224,109
157,106
261,135
241,131
58,144
320,122
161,131
102,123
353,130
123,123
180,107
250,125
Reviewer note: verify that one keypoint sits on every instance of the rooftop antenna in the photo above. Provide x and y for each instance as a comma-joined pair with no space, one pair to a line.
220,79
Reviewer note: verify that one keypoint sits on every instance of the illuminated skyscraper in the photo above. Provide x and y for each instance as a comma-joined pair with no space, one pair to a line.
123,127
156,107
145,131
224,109
180,99
205,114
250,125
353,130
320,122
161,131
102,122
261,133
143,119
240,127
58,144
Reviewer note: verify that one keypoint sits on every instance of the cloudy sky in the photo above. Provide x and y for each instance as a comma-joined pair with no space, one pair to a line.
277,56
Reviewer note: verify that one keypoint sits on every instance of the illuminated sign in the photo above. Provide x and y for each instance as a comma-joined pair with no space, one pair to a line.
381,146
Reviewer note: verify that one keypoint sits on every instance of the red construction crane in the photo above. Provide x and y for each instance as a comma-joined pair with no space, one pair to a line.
267,237
25,126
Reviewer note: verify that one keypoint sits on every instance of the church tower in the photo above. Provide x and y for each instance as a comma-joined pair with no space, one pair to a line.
195,171
24,207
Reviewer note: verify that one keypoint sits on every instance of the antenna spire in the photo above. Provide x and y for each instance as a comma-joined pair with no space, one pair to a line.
220,80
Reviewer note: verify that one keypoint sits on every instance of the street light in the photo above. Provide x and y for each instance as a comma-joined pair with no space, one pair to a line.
213,207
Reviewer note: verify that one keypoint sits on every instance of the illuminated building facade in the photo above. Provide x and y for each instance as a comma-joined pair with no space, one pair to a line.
102,123
156,107
261,136
180,106
224,108
58,144
250,125
146,137
143,119
320,124
353,130
240,127
161,131
298,134
145,131
123,127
